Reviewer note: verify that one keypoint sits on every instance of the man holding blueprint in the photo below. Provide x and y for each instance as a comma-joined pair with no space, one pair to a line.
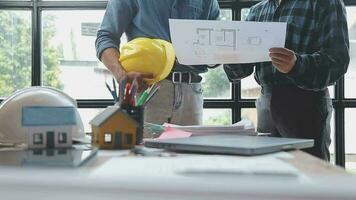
295,100
179,99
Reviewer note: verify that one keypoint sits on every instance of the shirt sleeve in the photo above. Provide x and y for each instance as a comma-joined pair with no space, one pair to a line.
236,72
214,10
323,68
118,16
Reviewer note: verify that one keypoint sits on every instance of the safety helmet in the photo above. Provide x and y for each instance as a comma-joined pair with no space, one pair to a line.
11,130
146,55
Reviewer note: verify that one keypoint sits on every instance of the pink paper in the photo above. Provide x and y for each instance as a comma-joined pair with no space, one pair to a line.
171,133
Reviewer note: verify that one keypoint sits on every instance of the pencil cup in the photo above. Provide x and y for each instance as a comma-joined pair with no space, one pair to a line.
137,114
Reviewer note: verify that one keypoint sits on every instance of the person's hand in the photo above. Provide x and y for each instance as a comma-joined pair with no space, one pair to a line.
110,59
141,78
283,59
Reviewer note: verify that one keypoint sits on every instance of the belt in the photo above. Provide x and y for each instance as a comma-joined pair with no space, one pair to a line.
184,77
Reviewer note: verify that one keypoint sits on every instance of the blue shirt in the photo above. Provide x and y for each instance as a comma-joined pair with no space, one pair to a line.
149,18
317,32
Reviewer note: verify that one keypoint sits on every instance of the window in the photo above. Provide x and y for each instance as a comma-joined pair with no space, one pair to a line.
62,138
61,54
108,138
15,51
69,58
350,139
350,78
37,138
217,116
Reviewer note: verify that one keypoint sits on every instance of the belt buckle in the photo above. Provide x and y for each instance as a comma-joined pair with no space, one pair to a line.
179,75
190,78
176,75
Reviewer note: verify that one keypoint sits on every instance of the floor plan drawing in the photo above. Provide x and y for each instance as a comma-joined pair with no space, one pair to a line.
204,37
198,42
255,41
226,38
216,37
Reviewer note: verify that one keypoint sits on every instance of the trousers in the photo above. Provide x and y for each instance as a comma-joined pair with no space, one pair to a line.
291,112
177,103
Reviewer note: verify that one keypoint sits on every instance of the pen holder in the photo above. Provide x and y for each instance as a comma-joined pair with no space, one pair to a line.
137,114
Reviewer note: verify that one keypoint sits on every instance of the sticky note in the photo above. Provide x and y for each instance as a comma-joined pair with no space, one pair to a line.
171,133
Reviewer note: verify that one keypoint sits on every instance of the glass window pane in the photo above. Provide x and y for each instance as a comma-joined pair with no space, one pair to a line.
332,91
244,13
217,117
249,114
249,88
332,136
226,14
15,51
350,139
69,57
87,114
350,77
215,82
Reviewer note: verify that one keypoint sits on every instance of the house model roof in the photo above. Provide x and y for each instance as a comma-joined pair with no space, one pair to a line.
107,113
48,116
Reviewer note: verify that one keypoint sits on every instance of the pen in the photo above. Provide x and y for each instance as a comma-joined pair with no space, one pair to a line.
133,91
142,98
115,91
152,94
127,94
111,92
122,91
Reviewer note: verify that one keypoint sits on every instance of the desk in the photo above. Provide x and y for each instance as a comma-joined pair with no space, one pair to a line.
311,165
326,182
304,162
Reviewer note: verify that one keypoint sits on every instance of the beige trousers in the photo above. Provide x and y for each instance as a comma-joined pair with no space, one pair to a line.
180,104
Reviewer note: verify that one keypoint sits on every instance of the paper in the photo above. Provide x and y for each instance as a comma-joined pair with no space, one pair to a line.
194,165
199,42
171,133
243,127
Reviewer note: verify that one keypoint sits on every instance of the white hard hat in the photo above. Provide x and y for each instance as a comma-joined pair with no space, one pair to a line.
11,130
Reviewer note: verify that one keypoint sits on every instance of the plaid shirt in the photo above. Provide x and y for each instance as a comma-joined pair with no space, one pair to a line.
317,32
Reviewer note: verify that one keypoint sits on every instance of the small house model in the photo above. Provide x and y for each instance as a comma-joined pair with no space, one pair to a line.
48,157
114,129
49,127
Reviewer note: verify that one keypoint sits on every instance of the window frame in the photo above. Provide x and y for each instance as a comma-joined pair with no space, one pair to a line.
235,103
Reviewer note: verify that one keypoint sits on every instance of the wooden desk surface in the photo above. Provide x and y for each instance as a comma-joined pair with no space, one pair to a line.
311,165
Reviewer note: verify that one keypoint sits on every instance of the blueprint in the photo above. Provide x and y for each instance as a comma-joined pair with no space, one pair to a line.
199,42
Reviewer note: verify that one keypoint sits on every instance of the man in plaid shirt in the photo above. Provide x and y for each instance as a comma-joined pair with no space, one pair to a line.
295,101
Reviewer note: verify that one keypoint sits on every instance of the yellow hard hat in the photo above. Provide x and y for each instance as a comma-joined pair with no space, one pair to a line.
144,55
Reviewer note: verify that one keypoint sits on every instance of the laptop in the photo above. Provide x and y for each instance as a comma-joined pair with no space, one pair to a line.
230,144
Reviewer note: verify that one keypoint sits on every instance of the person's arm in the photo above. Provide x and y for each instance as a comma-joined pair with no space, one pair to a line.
236,72
214,11
319,70
109,58
117,18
